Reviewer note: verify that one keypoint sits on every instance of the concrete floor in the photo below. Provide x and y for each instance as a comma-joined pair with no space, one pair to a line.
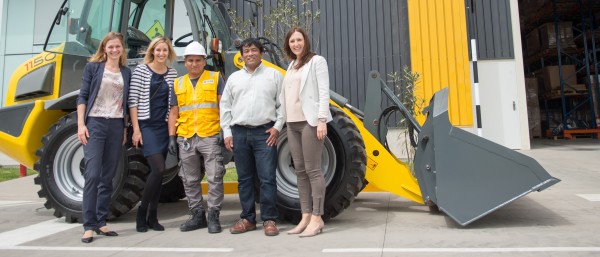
560,221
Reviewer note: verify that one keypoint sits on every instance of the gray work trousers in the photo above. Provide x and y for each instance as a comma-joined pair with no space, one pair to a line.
191,152
306,151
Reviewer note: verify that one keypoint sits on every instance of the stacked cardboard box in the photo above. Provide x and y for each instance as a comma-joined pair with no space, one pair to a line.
550,78
548,37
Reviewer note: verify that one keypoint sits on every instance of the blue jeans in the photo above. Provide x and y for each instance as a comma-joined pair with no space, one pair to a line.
255,159
101,159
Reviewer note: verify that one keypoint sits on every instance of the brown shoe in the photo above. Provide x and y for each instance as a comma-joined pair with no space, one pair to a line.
270,228
241,226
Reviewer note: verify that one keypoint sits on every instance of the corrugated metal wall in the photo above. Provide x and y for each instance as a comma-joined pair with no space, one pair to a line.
494,30
355,36
439,53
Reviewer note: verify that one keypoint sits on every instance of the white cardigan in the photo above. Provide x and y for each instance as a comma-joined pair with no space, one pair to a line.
314,90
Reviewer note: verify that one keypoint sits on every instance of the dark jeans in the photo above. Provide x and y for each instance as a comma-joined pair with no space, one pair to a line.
255,159
101,157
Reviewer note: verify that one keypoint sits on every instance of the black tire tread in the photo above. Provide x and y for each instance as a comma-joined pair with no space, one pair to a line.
356,168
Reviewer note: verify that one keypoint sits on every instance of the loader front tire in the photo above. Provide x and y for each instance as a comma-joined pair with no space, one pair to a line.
343,166
60,167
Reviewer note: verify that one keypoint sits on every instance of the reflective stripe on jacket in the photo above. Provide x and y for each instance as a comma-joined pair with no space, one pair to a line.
198,107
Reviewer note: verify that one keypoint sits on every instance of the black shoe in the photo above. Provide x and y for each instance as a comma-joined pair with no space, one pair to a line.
107,233
196,221
140,220
87,240
153,221
214,226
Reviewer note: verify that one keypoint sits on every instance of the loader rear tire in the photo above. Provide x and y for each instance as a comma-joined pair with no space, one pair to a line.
344,160
60,168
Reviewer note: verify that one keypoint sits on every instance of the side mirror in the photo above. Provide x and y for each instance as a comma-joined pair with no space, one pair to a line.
215,45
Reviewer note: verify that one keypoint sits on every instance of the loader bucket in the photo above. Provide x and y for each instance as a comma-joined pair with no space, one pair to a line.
468,176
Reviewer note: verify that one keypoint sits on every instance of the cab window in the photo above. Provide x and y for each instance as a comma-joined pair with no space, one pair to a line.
81,25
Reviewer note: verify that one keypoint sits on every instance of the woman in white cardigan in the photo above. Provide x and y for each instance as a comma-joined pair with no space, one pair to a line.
305,98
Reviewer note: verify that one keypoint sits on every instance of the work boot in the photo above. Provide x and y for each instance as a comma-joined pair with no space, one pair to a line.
196,221
153,221
140,220
214,226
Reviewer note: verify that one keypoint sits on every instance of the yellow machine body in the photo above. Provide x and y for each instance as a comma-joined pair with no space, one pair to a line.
22,147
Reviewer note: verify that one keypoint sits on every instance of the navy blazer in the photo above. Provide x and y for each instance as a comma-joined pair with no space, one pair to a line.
90,85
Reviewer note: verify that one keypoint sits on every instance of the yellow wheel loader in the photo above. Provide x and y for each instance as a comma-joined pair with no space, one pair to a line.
463,175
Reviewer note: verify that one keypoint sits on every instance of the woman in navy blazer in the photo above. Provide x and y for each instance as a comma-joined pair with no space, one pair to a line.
101,124
305,99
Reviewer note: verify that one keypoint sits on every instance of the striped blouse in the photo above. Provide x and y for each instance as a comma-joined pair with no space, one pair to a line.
139,90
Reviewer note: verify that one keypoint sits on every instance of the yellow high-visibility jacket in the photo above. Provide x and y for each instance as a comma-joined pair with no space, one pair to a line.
198,107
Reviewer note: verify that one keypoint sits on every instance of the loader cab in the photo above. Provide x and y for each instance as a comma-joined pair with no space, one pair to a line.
80,25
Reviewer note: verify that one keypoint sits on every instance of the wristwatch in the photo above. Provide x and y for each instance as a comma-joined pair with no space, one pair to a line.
323,120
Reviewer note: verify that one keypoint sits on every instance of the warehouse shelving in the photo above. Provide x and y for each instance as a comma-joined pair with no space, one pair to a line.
573,104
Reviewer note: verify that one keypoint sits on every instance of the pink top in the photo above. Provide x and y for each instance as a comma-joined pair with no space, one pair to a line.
293,108
109,102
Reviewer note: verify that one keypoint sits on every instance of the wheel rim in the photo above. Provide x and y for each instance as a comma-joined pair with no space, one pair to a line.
286,174
172,168
169,175
68,168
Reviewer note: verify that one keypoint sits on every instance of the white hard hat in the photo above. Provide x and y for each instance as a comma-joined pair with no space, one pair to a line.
194,48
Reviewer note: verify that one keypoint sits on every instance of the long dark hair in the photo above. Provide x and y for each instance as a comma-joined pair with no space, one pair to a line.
307,53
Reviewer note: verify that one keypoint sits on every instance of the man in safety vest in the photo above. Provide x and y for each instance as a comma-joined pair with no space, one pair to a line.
194,129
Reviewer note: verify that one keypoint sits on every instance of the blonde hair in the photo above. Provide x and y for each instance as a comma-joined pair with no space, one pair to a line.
100,55
149,57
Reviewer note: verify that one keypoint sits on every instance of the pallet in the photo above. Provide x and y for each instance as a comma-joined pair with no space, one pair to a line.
582,91
570,133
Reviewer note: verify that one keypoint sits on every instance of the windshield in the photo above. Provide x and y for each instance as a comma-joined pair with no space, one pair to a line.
215,18
152,20
81,25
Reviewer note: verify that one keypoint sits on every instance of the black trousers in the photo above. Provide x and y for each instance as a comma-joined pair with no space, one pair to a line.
101,159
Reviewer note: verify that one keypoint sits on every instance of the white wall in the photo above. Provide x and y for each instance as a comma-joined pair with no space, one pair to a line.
23,30
3,11
499,102
18,39
520,76
502,95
